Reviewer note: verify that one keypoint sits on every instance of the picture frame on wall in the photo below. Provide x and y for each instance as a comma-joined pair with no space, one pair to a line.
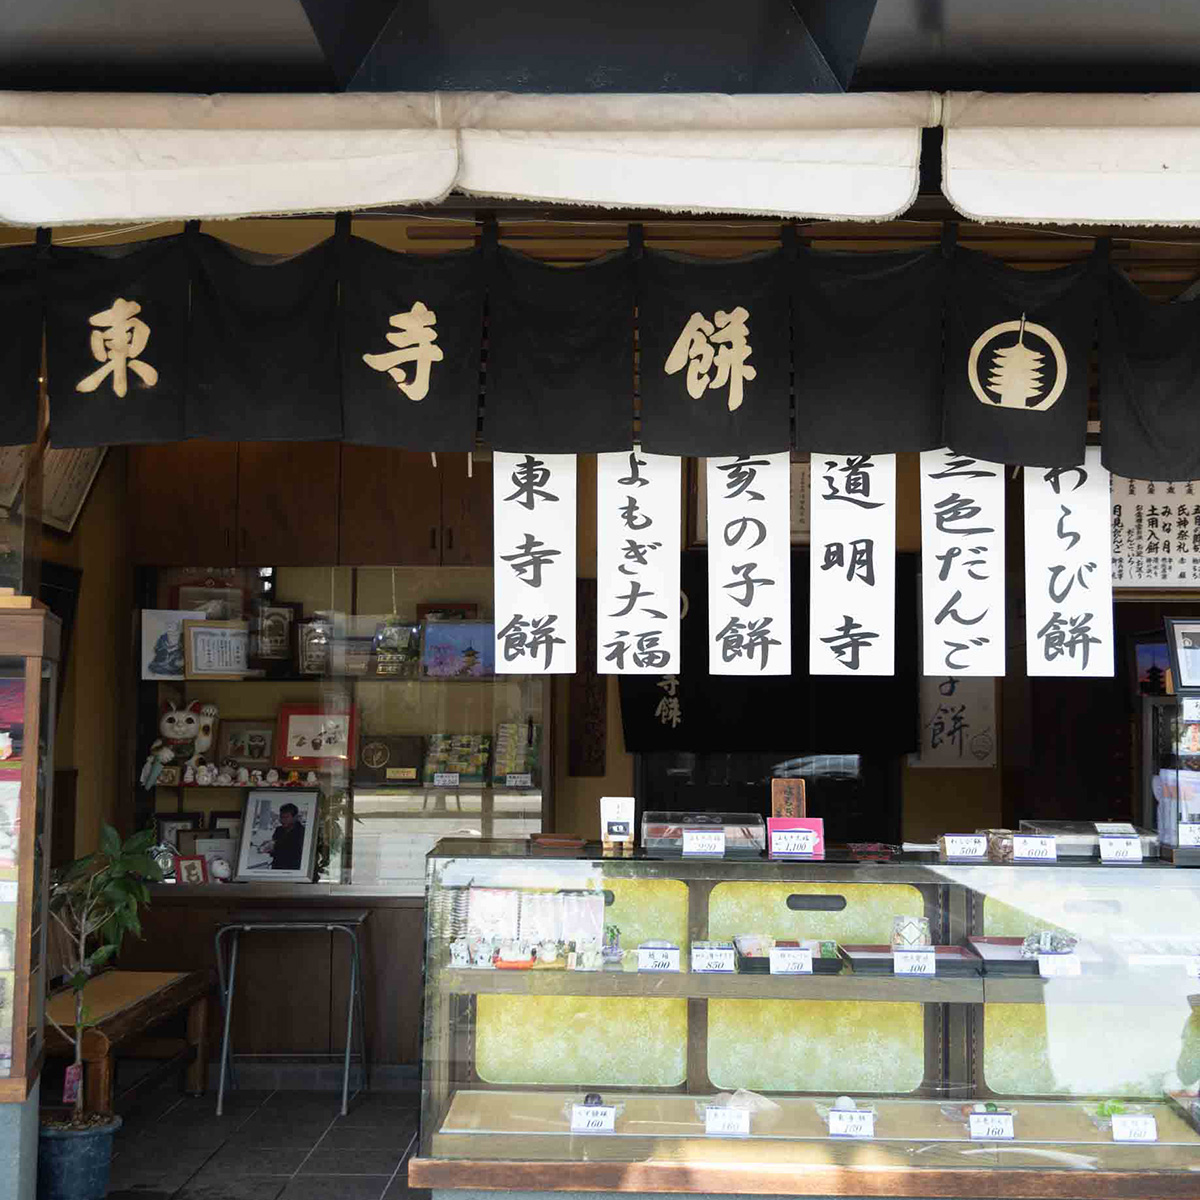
248,743
447,610
316,736
458,650
1183,646
272,630
216,649
168,827
190,868
228,821
216,603
163,643
279,836
314,638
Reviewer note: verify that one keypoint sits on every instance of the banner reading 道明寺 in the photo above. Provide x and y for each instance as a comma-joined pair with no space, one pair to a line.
637,563
534,563
852,607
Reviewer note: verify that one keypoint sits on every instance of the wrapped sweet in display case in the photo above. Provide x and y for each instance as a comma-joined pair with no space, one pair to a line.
833,1027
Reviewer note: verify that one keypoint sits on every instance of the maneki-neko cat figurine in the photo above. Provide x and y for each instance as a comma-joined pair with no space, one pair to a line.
185,737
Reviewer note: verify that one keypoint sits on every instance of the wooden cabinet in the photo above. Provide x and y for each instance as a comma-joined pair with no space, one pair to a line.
397,509
183,503
288,503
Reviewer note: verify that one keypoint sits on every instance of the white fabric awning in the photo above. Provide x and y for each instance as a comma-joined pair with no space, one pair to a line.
1073,159
76,158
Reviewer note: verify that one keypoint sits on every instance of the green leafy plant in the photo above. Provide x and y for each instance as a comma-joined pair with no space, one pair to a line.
96,901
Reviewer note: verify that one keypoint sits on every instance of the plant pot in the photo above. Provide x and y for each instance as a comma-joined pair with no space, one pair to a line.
73,1164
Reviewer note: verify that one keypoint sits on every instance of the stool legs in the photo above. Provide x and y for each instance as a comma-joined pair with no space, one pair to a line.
228,994
197,1035
351,1005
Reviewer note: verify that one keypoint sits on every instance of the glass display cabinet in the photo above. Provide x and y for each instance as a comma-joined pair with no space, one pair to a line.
29,655
810,1027
1170,763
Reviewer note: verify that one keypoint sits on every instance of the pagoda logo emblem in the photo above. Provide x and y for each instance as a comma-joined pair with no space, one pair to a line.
1026,372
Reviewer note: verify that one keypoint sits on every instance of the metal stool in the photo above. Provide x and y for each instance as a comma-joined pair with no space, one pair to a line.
347,921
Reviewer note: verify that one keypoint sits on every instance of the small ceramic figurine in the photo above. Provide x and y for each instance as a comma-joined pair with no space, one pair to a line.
272,776
189,774
224,779
460,953
256,777
293,778
311,779
220,870
206,775
243,776
185,735
547,952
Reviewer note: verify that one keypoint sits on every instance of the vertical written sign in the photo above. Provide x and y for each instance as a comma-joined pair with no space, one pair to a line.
637,564
534,563
1155,533
749,572
1068,570
852,608
962,564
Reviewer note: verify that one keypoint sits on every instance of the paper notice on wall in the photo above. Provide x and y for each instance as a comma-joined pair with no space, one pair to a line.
637,563
534,563
962,564
749,567
958,722
1068,570
1155,534
852,606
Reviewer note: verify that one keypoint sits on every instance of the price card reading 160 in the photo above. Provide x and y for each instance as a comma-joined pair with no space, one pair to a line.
593,1118
851,1123
991,1126
720,1121
1134,1127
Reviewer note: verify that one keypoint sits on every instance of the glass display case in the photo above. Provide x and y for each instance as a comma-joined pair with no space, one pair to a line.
584,1013
366,699
29,652
1170,763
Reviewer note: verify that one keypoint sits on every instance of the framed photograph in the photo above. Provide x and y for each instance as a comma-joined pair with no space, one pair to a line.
218,853
162,642
216,603
447,610
315,736
170,826
1183,646
169,776
229,822
314,637
216,649
458,650
397,649
279,836
271,630
190,868
247,743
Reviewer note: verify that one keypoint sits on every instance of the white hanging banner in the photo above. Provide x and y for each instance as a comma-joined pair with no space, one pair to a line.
852,604
962,564
534,563
1068,570
749,567
637,563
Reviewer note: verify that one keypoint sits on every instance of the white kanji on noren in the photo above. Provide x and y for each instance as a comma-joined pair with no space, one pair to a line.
117,341
694,349
416,343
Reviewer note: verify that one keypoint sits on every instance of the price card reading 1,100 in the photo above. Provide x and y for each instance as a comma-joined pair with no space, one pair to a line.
1034,848
593,1118
851,1123
707,842
793,841
991,1126
720,1121
658,958
1134,1127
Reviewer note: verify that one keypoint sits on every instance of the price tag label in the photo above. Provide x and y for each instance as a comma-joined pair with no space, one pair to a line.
966,845
1134,1127
525,779
653,958
1120,848
8,891
851,1123
726,1122
707,842
914,962
791,960
445,779
1189,833
1034,848
1191,708
1059,966
711,960
793,841
593,1118
1191,968
991,1126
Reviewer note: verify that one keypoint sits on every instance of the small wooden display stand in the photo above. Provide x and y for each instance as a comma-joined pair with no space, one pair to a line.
124,1005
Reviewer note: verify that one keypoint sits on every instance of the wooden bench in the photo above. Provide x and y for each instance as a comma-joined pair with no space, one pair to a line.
123,1006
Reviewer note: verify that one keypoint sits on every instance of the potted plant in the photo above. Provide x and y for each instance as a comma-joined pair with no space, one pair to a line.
95,902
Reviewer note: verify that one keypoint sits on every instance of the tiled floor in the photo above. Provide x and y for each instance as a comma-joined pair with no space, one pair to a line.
267,1146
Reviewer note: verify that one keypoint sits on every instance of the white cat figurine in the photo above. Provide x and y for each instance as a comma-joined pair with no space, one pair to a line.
186,736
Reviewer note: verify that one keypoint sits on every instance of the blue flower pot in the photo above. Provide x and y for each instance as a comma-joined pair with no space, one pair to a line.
73,1164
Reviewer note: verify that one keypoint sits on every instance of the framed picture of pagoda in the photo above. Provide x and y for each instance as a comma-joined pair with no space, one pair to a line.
458,650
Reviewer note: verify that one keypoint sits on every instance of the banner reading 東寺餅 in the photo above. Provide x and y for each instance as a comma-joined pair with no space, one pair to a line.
852,607
637,563
749,568
534,563
1068,570
962,564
